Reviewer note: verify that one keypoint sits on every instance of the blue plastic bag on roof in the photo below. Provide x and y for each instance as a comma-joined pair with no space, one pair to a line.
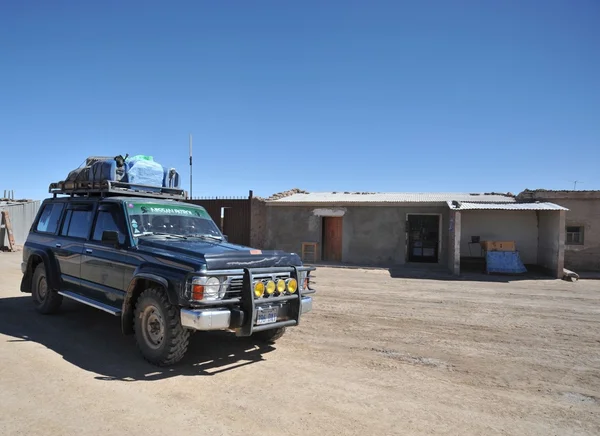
142,170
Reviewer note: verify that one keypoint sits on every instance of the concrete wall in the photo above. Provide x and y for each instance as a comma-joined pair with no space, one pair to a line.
501,225
21,217
258,223
372,235
584,213
551,241
288,227
454,238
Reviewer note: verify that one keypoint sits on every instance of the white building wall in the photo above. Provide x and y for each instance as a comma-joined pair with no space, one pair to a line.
499,225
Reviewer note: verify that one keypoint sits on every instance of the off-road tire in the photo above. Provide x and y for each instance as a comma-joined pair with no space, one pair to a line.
269,336
46,300
175,339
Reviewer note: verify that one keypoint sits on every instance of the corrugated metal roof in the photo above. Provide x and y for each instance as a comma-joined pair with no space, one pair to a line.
391,197
505,206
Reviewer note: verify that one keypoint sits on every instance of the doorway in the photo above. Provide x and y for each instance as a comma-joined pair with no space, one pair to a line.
332,239
423,238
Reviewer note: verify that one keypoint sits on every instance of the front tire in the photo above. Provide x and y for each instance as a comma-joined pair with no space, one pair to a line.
270,336
160,337
46,300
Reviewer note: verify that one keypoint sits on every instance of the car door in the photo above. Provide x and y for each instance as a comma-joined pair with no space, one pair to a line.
45,233
103,265
69,243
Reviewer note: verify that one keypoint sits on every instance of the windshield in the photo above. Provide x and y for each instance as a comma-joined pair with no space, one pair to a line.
150,218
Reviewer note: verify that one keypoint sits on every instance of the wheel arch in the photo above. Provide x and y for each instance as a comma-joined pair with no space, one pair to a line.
36,258
137,285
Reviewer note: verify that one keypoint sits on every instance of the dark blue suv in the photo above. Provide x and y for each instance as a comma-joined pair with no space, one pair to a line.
160,264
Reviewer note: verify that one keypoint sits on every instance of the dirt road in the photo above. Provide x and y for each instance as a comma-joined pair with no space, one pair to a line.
378,356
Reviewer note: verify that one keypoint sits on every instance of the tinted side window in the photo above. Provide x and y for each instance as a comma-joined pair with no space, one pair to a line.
48,222
65,224
77,224
107,221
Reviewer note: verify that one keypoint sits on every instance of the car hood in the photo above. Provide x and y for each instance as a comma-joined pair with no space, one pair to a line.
220,254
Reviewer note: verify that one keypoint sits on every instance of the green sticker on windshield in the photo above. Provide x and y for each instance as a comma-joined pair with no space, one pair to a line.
166,209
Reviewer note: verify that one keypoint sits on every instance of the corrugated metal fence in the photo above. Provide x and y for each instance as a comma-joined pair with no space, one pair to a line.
21,216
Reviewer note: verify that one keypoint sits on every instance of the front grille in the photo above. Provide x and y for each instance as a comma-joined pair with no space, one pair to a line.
235,284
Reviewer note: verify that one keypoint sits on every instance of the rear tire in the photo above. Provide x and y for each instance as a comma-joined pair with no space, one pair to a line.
160,337
270,336
46,300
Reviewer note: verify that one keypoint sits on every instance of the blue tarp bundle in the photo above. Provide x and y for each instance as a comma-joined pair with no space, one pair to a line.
142,170
504,262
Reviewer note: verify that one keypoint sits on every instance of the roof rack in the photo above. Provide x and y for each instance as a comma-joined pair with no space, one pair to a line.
111,188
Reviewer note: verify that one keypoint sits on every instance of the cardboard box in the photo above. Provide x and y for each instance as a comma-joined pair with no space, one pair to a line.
498,245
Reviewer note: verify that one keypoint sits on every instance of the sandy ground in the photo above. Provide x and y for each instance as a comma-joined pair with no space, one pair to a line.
378,356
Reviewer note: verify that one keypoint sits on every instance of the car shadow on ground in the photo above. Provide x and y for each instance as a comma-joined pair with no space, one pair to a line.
92,340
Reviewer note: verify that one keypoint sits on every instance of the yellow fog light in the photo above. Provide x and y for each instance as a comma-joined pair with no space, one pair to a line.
292,285
259,289
270,287
280,286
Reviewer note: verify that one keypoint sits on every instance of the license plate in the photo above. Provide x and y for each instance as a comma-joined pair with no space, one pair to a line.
266,315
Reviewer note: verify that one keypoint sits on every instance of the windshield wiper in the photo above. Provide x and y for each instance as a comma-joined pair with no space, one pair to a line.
204,236
161,234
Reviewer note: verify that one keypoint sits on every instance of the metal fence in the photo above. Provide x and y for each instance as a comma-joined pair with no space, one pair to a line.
21,216
232,215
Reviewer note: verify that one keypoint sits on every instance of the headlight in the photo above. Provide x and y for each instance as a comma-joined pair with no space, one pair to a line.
270,287
280,286
207,289
259,289
303,280
292,285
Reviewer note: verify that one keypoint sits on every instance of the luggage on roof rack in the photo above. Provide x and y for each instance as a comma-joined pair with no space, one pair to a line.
137,170
112,188
117,175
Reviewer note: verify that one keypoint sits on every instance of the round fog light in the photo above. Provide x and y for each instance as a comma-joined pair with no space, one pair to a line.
292,285
280,286
259,289
270,287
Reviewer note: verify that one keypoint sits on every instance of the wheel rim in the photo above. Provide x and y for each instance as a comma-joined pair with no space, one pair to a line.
153,327
42,288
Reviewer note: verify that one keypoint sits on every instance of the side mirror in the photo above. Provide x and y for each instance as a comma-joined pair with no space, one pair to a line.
225,238
110,237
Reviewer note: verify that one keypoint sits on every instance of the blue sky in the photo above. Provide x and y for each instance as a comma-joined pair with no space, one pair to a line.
336,95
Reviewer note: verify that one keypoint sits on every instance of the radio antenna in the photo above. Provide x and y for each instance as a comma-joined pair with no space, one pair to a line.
191,196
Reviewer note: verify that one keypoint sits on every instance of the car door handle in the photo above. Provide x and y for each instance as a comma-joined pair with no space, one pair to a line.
58,245
88,251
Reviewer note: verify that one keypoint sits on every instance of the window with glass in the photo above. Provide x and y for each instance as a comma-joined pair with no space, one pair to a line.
49,218
574,235
107,221
77,224
154,218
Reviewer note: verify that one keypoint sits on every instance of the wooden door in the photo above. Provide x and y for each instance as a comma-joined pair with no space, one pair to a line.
332,239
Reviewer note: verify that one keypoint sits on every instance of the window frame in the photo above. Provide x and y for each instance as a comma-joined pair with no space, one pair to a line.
111,207
58,223
580,232
73,207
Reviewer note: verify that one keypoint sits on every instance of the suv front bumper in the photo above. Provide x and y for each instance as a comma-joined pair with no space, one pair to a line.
222,318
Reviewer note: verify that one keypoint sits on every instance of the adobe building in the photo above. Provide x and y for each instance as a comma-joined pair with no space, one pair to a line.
387,229
582,225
